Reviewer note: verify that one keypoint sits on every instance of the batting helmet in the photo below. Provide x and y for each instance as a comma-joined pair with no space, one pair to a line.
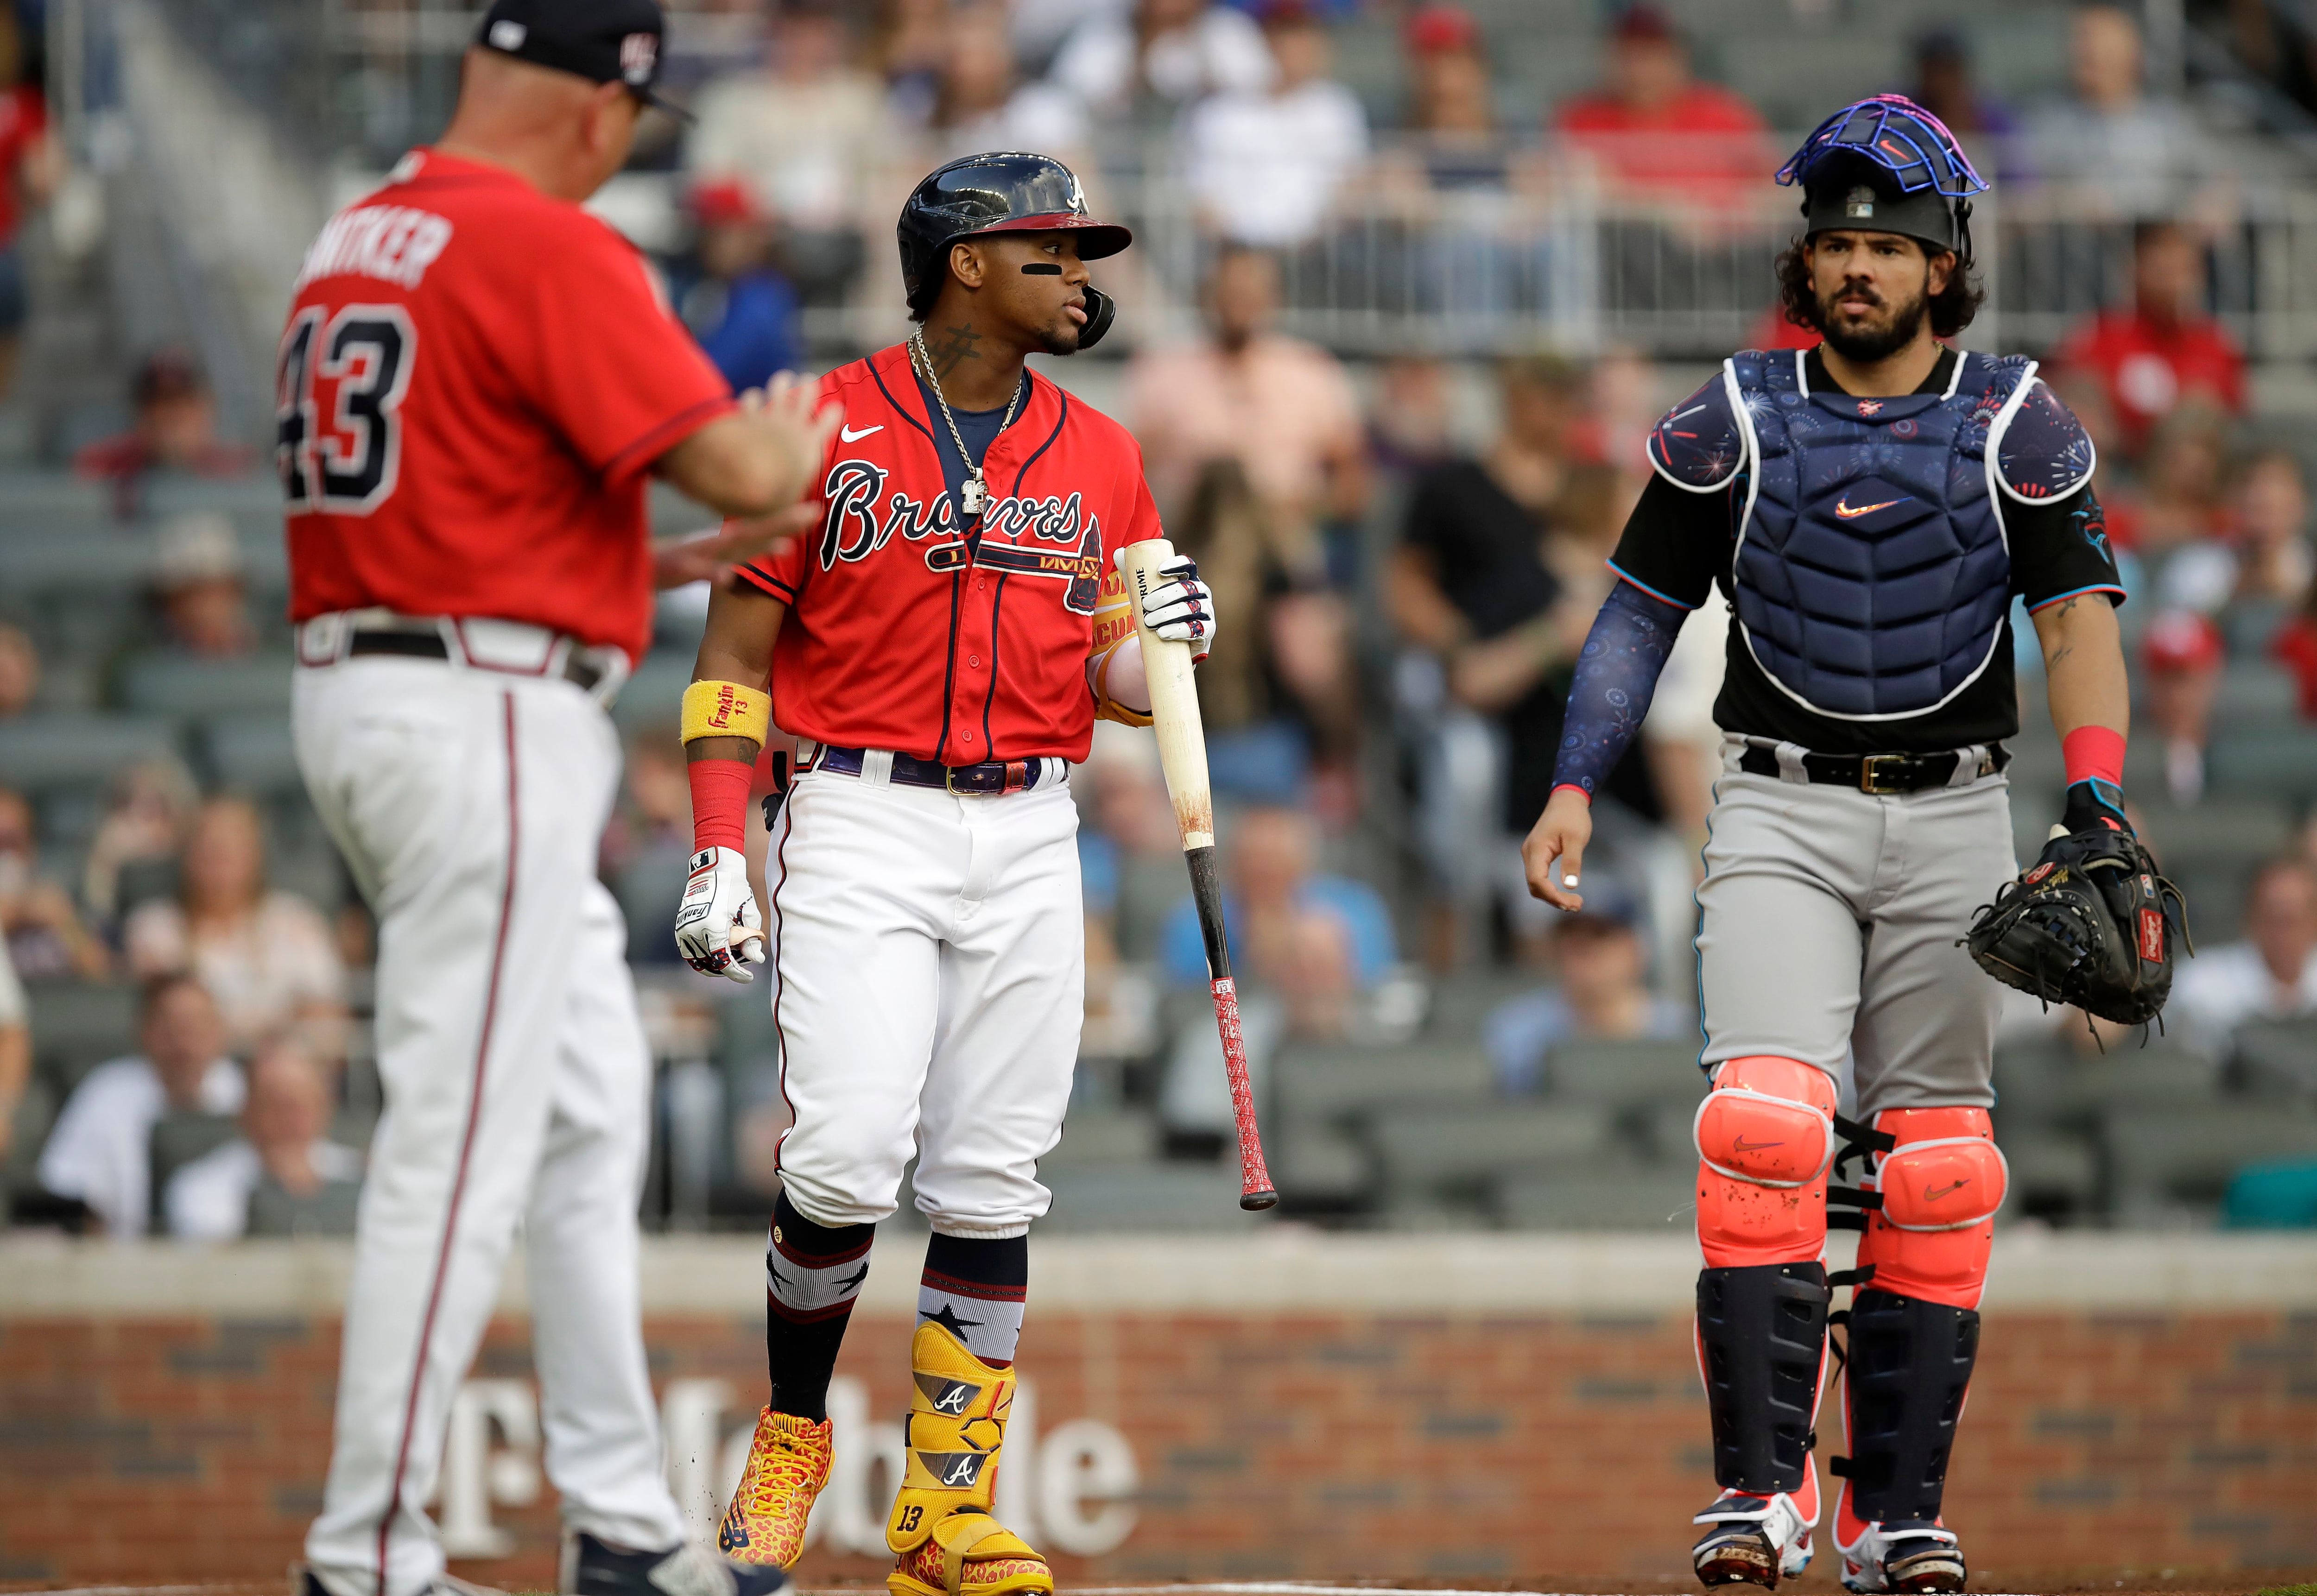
1004,192
1887,165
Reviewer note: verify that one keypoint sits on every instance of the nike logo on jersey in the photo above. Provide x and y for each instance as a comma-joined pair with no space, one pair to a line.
1849,511
851,436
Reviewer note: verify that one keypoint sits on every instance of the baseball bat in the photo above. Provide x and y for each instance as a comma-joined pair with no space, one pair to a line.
1183,755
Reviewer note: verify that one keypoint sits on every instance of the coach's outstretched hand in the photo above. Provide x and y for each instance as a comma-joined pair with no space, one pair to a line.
718,930
761,458
1555,850
703,557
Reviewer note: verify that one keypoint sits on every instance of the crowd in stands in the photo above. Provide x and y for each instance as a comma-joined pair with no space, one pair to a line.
1406,552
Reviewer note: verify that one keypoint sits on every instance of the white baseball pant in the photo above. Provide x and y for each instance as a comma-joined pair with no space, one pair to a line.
1829,922
469,804
930,963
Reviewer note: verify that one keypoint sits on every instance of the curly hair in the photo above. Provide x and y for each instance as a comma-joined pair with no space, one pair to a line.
1950,308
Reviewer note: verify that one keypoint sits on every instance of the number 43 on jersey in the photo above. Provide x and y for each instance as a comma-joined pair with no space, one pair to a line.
336,396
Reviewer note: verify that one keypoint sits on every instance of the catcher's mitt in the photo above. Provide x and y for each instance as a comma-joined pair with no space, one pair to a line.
2092,924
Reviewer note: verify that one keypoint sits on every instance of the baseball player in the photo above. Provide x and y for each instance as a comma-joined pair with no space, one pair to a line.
1871,507
476,381
940,646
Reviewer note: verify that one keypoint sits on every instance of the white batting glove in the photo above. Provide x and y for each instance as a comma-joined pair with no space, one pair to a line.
718,930
1181,608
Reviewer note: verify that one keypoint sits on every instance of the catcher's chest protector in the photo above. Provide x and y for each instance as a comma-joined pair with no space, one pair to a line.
1871,573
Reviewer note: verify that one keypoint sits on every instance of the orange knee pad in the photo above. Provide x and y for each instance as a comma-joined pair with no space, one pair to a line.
1765,1138
1941,1186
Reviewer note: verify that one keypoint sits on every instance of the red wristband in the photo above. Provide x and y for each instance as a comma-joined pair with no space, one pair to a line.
1570,787
2093,753
719,802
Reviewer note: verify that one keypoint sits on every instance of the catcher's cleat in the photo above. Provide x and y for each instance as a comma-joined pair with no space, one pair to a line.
593,1567
1753,1540
787,1465
944,1540
1910,1555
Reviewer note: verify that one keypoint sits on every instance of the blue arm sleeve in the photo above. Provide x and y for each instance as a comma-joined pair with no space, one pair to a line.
1616,675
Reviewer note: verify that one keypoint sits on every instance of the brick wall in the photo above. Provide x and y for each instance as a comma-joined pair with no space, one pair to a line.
1317,1445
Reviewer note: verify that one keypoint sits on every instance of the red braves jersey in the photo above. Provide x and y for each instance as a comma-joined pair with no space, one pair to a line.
910,630
474,380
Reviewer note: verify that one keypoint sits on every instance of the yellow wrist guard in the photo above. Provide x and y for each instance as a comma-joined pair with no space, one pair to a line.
726,710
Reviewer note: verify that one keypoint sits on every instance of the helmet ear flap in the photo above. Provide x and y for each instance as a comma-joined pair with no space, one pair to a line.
1101,311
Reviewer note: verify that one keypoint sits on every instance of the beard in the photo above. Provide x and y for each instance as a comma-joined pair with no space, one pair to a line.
1063,338
1871,337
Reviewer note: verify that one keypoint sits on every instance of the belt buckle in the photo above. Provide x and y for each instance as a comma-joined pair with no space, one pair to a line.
950,774
1871,782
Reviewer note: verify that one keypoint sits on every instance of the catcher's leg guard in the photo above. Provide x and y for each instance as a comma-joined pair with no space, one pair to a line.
1913,1339
788,1465
1764,1139
942,1530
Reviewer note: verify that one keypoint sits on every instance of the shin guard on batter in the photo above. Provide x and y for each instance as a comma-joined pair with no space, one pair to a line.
941,1529
1766,1138
1913,1339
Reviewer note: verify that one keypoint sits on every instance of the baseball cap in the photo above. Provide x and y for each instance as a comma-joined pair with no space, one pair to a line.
601,41
1643,21
1436,29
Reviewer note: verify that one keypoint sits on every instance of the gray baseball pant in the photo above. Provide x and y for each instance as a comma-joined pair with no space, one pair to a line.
1829,922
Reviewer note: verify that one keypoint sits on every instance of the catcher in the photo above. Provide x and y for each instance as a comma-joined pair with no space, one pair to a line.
1872,507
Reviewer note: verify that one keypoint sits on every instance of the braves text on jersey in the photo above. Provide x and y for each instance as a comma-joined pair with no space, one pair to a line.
474,380
916,629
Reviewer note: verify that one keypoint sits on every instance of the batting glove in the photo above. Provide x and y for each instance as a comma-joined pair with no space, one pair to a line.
1181,608
718,930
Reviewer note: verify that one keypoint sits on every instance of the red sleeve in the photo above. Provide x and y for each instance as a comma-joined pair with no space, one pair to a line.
782,570
615,373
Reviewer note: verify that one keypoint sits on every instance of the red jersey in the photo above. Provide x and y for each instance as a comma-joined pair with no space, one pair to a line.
912,630
2146,367
474,380
1705,147
24,123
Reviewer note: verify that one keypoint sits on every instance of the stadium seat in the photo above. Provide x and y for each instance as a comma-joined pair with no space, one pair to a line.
330,1210
1104,1138
2277,1059
252,752
43,751
2168,1165
110,562
160,685
1603,1198
1335,1084
1171,1198
654,695
2273,761
2225,832
1625,1074
78,1025
2055,1175
1318,1166
178,1139
1448,1147
2254,695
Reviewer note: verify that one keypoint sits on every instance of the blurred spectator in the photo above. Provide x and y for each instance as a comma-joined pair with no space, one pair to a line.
2272,528
2109,142
99,1151
811,134
15,1050
2295,646
1451,122
979,106
2166,349
46,938
1945,86
1411,425
31,164
1316,940
147,806
1656,133
1278,689
648,843
1265,165
739,307
175,431
1129,852
283,1151
908,44
20,671
2183,652
268,958
1285,409
2271,973
1165,55
2183,507
200,589
1602,995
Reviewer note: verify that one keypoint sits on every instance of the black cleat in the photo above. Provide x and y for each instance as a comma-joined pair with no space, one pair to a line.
592,1567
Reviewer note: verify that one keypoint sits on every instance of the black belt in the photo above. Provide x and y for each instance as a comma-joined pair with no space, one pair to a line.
1883,774
990,777
576,671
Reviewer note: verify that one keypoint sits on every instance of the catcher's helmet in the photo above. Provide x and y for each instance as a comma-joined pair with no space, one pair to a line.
1886,164
1006,192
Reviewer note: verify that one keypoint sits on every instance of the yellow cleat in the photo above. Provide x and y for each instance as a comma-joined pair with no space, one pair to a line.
941,1532
788,1464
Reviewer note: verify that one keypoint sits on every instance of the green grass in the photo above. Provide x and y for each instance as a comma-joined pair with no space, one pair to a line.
2307,1589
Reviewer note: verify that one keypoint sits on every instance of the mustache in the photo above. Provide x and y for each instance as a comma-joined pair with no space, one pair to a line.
1856,289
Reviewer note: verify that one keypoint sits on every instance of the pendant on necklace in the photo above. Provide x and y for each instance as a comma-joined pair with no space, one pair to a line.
969,498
